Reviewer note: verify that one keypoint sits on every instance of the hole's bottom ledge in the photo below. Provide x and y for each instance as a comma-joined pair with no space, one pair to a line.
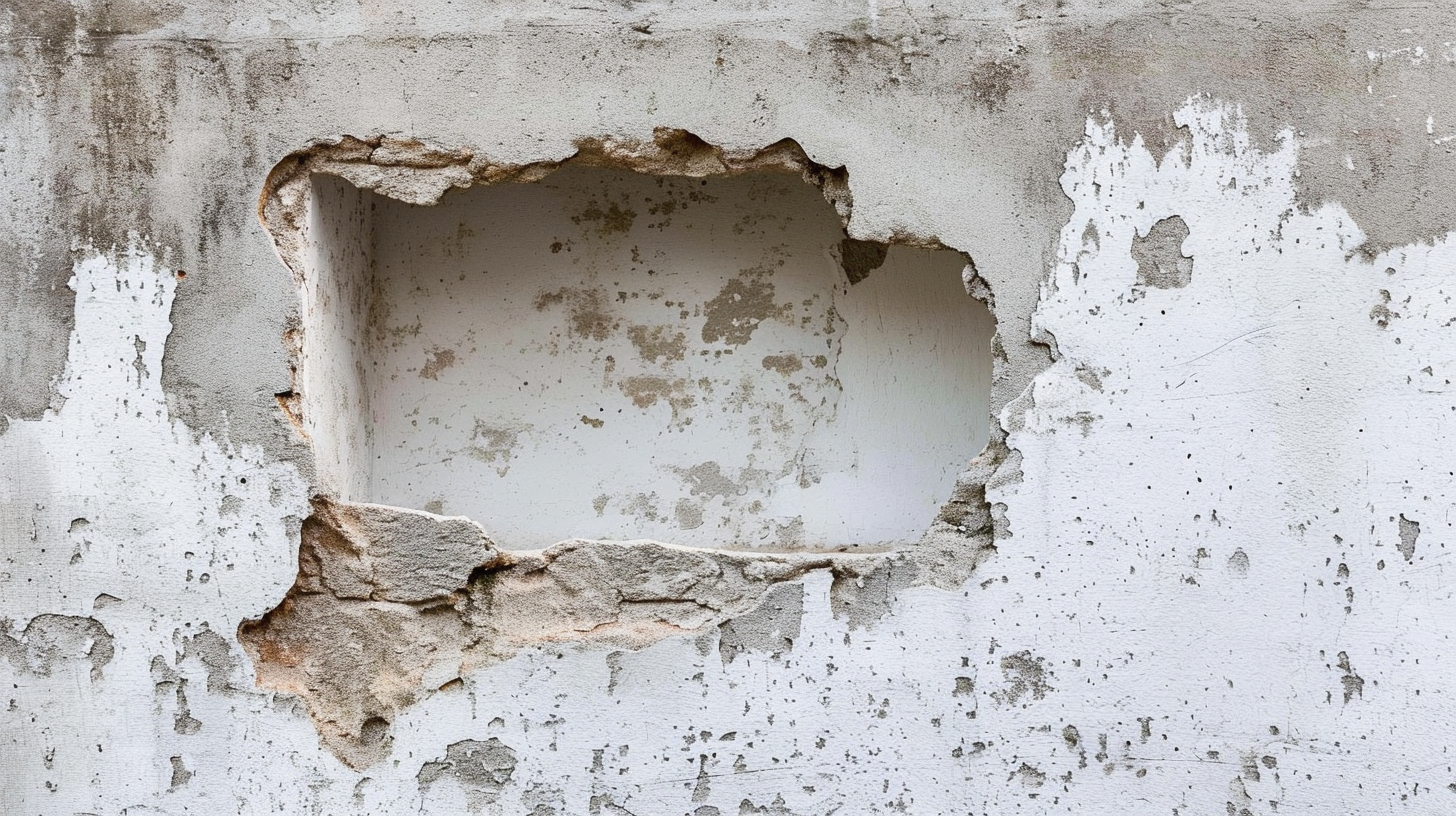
392,605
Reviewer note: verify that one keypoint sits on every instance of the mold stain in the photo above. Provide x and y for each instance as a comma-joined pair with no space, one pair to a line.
494,445
613,220
656,343
437,360
787,364
744,302
588,318
645,392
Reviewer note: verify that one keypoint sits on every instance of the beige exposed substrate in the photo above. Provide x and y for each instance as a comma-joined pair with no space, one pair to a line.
392,604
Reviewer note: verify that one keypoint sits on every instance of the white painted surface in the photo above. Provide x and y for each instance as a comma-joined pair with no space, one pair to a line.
334,300
604,354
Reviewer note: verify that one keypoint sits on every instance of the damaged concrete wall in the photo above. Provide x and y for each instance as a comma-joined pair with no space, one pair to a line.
1170,541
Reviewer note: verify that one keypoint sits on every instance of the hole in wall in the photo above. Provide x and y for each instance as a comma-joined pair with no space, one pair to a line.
609,354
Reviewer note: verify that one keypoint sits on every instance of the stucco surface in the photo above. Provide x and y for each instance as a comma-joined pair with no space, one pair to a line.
1198,567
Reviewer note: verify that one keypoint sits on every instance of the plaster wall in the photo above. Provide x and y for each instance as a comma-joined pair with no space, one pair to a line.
1198,565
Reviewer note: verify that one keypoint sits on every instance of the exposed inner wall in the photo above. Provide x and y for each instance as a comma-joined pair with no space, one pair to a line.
612,355
333,373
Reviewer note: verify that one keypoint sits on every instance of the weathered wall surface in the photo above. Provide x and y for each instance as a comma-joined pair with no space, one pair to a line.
1199,567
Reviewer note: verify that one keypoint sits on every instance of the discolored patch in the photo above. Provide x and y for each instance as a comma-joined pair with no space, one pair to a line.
784,364
609,220
438,360
588,318
744,302
771,628
494,445
645,392
1161,261
656,343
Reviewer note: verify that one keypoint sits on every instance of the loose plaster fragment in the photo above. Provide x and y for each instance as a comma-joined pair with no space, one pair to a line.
382,553
354,663
772,627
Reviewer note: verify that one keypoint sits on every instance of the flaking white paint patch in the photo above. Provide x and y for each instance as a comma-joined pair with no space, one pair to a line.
159,536
1206,533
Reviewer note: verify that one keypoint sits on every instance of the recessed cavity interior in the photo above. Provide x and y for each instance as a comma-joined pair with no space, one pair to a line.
606,354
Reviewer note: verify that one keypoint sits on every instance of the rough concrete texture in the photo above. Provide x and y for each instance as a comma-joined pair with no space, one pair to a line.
1197,568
